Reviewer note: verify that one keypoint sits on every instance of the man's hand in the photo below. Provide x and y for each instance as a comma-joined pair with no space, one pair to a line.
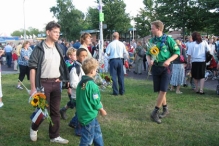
166,63
32,91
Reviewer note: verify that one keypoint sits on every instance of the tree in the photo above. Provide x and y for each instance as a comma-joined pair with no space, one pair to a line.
70,19
93,17
145,17
29,31
114,16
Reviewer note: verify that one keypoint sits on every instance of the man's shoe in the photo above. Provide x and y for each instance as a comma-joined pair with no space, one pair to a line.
164,113
59,140
33,134
114,94
63,113
154,116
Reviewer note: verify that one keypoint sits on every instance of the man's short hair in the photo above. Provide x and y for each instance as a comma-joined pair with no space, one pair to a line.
51,25
70,51
80,50
158,24
89,64
115,35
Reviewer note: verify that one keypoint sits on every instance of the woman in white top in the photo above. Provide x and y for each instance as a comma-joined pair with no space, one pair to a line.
196,58
85,42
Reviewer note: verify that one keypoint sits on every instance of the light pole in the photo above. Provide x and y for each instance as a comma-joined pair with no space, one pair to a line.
133,27
101,19
24,21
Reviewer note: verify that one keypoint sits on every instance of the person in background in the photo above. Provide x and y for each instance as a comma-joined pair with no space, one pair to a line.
23,63
196,57
47,70
116,50
85,42
66,46
1,95
77,44
88,105
138,59
15,58
178,69
8,52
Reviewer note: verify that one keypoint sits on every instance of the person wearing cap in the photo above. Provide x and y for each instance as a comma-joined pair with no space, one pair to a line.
116,50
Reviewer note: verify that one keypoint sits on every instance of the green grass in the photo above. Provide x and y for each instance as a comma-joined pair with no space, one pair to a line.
193,118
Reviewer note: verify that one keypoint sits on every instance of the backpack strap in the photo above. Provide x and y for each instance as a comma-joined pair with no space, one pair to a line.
78,69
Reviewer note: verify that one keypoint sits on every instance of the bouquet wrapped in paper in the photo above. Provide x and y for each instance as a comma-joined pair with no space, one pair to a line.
38,100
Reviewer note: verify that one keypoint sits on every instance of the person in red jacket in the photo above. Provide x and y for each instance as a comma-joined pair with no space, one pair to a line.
213,67
14,58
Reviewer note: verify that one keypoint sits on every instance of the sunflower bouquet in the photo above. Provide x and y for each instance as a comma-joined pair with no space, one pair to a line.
154,51
38,100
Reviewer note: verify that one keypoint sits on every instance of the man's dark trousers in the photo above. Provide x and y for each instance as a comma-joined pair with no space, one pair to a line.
116,70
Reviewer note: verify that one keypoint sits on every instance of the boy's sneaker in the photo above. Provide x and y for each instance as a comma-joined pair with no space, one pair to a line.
1,104
59,140
71,125
33,134
19,87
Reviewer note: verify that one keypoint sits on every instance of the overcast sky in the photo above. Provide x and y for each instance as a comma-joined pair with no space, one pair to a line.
37,12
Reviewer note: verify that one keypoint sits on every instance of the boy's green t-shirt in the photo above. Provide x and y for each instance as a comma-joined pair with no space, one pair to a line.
87,100
167,50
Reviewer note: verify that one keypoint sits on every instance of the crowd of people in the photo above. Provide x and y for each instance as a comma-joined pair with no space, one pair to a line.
54,64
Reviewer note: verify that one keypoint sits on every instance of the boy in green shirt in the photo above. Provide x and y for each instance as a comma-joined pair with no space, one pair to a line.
168,51
88,105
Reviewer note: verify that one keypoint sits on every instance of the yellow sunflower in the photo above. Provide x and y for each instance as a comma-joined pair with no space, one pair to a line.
154,51
35,101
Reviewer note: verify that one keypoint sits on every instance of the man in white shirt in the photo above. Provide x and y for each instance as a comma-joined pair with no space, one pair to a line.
116,50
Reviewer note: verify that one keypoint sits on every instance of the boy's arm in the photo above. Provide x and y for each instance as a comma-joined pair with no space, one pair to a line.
102,112
74,78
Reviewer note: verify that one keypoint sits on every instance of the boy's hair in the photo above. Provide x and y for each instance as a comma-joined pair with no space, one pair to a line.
51,25
89,64
70,51
158,24
79,51
84,36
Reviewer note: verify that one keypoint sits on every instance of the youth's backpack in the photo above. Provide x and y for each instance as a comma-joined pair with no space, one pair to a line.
78,71
141,52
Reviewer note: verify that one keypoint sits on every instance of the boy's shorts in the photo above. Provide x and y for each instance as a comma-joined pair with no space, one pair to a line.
161,78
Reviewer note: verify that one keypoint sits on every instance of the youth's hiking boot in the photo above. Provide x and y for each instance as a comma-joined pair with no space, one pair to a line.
154,116
33,134
63,113
164,113
59,140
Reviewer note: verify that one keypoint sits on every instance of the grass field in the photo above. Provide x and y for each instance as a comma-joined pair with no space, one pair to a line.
193,118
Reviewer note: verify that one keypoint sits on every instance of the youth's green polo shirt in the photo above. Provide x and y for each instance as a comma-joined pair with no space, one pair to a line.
87,100
168,49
